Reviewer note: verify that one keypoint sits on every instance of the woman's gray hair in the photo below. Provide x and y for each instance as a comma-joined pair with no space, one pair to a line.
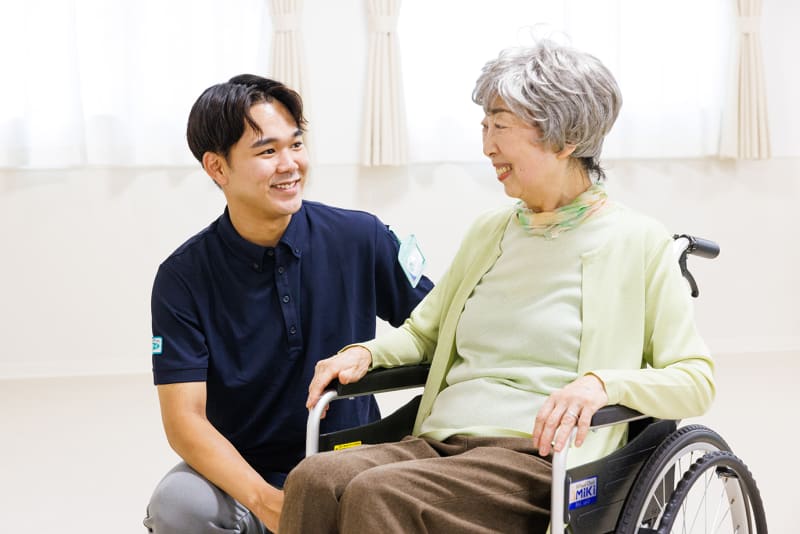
569,95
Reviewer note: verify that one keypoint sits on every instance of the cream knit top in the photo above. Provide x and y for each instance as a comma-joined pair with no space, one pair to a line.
519,336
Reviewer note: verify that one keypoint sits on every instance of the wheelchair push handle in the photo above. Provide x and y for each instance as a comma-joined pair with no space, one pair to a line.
686,244
698,246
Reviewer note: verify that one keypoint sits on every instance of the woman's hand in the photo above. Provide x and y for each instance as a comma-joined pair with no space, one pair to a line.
348,366
574,405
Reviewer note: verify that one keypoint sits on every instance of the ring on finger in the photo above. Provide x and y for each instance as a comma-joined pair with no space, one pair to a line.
571,414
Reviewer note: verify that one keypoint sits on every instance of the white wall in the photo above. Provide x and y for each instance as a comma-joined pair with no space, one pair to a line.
80,247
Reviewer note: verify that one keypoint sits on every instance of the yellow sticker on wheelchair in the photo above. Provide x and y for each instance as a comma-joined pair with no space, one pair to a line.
346,445
582,493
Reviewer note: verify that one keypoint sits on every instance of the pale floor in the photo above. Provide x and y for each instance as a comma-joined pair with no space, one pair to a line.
81,455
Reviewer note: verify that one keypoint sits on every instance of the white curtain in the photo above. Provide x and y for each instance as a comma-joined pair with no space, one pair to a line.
93,82
745,132
668,57
288,59
288,63
385,135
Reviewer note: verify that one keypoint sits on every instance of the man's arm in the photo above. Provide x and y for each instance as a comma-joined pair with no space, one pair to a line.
395,298
194,438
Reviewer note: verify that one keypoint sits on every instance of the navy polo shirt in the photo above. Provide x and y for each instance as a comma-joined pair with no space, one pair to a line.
252,322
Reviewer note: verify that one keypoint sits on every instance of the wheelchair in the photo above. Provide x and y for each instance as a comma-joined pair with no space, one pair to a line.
665,479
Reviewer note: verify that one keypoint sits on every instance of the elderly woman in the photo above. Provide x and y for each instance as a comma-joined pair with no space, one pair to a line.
552,308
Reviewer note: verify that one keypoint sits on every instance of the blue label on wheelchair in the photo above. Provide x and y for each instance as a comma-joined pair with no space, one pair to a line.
582,492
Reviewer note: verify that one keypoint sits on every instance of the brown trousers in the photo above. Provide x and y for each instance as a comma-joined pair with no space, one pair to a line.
462,485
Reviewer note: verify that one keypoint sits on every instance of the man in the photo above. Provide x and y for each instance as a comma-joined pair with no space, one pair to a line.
243,311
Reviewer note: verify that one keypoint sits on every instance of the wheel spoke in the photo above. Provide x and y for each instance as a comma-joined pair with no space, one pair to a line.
723,507
693,484
716,495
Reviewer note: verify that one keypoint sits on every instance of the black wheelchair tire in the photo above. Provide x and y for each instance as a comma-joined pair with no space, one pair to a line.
686,439
747,497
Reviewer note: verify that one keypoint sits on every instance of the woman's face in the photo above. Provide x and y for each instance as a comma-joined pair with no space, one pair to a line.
528,169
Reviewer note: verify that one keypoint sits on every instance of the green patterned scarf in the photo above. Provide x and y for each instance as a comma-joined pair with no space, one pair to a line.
549,224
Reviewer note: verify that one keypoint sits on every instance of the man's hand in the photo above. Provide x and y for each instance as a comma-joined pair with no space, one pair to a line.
269,510
348,366
574,405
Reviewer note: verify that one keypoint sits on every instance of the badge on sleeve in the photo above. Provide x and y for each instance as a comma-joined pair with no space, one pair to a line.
158,345
411,259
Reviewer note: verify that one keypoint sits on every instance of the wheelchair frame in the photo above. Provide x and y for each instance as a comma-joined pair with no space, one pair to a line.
643,487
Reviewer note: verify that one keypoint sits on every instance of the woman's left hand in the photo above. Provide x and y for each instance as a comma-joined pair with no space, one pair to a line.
572,406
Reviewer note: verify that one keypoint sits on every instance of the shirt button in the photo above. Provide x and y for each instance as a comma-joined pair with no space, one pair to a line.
257,267
285,298
270,252
281,270
292,330
297,251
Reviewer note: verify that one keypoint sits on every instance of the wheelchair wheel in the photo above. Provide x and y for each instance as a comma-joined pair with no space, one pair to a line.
655,483
717,494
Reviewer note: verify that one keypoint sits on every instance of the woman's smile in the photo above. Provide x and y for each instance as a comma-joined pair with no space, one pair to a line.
503,171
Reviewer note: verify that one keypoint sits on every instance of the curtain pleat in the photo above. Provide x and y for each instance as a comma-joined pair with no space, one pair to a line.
288,60
385,135
288,64
745,129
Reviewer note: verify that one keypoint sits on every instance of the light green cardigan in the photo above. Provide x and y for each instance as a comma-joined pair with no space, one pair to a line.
638,334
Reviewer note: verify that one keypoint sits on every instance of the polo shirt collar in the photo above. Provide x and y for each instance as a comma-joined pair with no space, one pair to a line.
296,235
295,239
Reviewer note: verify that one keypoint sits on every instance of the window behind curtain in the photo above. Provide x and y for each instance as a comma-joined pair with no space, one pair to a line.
98,82
670,59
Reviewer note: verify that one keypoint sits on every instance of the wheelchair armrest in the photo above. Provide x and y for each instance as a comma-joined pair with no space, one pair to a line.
375,381
614,414
381,380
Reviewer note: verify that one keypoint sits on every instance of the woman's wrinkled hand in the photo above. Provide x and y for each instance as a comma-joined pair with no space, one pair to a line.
348,366
572,406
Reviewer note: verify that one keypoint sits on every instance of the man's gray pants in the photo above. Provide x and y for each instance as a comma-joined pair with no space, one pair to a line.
186,502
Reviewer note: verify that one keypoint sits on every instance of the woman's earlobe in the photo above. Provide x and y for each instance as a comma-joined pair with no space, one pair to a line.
566,151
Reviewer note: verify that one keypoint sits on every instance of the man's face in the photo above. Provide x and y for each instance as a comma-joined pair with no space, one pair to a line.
265,173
